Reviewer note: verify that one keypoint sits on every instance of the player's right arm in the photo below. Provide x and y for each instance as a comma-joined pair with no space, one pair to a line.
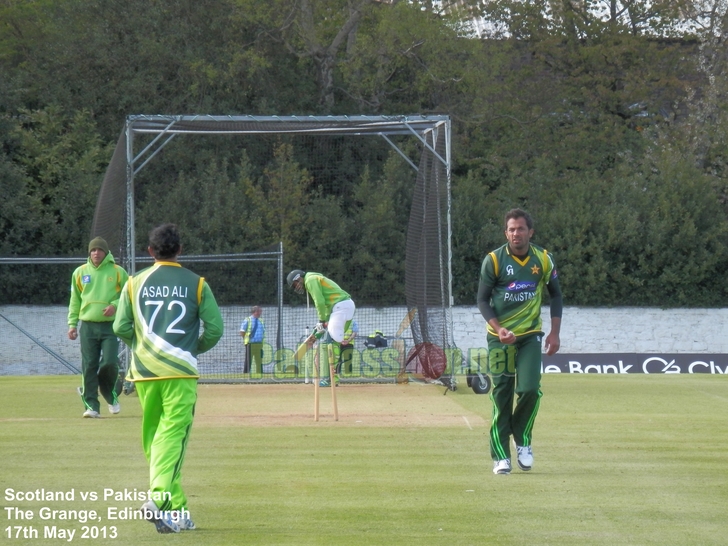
485,291
74,305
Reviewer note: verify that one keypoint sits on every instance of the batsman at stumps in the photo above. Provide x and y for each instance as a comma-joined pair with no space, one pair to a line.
334,306
512,280
159,317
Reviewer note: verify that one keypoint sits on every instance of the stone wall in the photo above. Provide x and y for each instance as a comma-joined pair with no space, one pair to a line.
618,330
584,331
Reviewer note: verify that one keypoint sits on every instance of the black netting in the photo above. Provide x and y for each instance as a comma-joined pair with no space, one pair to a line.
427,278
414,307
110,214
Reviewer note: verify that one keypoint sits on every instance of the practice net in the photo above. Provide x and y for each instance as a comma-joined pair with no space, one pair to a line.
381,183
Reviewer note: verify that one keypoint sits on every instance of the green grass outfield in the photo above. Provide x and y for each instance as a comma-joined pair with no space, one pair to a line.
619,459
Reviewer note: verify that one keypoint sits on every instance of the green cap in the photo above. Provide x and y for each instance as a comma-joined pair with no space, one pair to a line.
98,242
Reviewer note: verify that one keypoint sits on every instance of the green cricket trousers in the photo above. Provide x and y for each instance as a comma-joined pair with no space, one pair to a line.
168,407
99,363
516,370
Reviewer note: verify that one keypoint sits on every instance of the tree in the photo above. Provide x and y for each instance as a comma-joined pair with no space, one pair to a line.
562,101
18,208
573,110
405,59
61,155
705,133
377,236
281,196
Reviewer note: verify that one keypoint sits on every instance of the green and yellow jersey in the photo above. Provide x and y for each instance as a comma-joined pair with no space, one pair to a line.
93,289
325,294
511,288
159,317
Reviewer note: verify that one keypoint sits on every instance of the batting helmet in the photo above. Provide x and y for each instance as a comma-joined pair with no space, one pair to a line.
294,276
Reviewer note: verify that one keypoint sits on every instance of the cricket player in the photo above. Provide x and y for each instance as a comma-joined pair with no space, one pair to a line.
512,280
159,317
95,290
334,306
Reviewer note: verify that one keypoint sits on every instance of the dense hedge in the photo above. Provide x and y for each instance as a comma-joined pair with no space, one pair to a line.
612,137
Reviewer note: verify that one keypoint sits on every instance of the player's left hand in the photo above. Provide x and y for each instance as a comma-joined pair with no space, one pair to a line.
552,344
109,311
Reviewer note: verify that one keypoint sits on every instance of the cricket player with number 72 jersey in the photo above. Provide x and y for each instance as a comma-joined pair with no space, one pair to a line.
159,317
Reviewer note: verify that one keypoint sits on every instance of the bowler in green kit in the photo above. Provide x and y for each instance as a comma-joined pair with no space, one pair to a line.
512,280
159,317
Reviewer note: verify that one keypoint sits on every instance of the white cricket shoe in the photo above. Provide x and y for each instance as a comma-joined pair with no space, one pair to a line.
184,523
91,414
114,408
525,458
502,467
162,521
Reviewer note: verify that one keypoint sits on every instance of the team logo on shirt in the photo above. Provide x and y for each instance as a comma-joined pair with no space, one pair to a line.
520,286
86,279
520,291
535,270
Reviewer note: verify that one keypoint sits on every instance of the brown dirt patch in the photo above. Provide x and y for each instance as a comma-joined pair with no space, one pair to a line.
402,405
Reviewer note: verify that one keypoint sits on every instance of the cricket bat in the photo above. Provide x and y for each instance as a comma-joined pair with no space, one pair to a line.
304,347
406,322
